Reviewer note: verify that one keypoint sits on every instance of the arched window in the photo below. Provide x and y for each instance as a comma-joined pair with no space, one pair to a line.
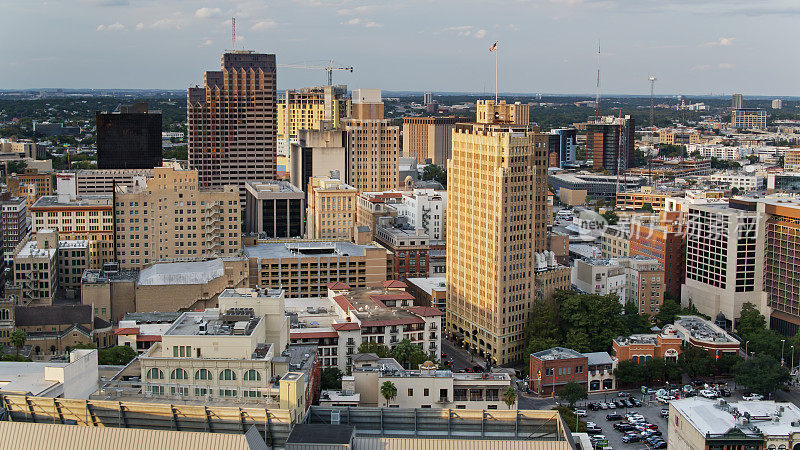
227,375
155,374
252,375
202,374
178,374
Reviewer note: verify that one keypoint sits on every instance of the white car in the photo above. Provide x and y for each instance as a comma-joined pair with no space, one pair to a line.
708,393
753,397
580,412
590,424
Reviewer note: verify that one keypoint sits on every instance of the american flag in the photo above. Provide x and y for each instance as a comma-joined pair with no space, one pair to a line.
493,47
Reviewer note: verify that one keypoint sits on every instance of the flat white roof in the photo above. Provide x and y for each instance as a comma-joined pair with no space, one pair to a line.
707,416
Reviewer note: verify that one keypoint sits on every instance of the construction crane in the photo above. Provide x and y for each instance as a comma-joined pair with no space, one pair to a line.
329,68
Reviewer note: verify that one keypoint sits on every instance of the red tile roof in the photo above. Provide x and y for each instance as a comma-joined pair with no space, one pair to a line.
346,326
394,284
343,303
311,335
425,311
126,331
148,338
338,286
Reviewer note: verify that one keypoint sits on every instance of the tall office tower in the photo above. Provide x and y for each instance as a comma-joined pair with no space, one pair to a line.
665,242
737,101
331,209
129,138
372,144
427,98
610,140
309,107
275,209
516,114
429,139
497,189
14,224
563,145
232,122
318,153
723,268
169,218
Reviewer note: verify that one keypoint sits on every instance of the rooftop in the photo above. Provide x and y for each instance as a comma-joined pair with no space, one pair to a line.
309,249
557,353
273,186
32,250
718,417
599,358
299,357
318,433
81,201
251,293
199,272
213,322
702,330
153,317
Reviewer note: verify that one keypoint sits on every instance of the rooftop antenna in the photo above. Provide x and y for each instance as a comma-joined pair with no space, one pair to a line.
597,91
652,88
233,33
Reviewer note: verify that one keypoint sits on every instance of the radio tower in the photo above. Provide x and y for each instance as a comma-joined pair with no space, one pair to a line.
233,33
652,88
597,90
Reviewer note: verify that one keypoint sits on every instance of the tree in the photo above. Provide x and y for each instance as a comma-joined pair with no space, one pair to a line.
734,190
572,392
750,320
119,355
647,207
18,338
761,374
695,362
763,341
510,397
16,167
436,173
409,354
611,217
726,362
331,378
630,373
373,347
635,322
598,317
668,312
388,391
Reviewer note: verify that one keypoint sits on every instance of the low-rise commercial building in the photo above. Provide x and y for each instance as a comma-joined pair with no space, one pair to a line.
740,181
42,182
409,248
615,241
553,368
57,329
140,331
431,291
331,212
646,195
274,209
103,181
426,387
749,118
303,268
595,185
76,379
698,422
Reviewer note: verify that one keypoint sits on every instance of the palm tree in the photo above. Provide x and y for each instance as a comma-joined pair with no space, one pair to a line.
510,396
388,391
18,338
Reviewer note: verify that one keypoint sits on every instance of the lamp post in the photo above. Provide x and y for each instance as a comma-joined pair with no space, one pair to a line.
783,341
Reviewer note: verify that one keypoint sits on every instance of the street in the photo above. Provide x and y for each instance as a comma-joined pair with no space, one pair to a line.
461,358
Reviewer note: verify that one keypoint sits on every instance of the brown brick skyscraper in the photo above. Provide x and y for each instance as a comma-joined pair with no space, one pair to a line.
232,122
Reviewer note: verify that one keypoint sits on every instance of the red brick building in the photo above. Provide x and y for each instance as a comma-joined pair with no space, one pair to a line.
553,368
665,243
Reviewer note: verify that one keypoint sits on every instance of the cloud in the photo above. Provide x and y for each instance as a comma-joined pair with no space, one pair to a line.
116,26
206,12
480,34
139,26
372,24
165,24
106,2
701,68
353,21
706,67
725,66
466,30
358,10
206,43
721,42
264,25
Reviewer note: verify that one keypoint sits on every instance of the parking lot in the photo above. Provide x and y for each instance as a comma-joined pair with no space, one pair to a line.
650,409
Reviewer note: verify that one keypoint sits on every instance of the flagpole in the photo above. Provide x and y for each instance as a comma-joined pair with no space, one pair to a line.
496,56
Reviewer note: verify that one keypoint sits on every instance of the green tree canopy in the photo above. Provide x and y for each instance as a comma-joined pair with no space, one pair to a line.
510,396
331,378
611,217
572,392
750,320
695,362
435,173
761,374
388,391
18,338
373,347
408,354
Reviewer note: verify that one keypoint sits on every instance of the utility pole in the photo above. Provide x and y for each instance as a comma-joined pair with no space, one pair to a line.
652,88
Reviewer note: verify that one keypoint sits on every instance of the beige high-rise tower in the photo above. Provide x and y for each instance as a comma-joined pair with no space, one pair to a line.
496,218
232,122
372,144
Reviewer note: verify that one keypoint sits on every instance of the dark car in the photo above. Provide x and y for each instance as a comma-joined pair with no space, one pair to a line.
592,406
478,369
613,417
655,432
636,402
698,383
725,392
620,404
629,403
629,438
622,426
593,430
660,444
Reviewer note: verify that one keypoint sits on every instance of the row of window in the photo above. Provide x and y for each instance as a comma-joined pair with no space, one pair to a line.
203,374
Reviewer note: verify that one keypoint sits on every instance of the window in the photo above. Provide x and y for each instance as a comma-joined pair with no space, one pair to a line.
227,392
426,392
178,374
252,375
202,374
410,392
184,391
227,375
155,374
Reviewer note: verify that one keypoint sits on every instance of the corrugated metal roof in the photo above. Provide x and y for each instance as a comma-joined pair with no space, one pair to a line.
382,443
68,437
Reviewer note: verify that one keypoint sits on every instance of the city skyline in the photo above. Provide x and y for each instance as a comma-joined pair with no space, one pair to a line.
133,39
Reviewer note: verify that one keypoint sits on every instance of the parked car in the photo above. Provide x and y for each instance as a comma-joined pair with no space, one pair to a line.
613,417
725,392
708,393
752,397
629,438
664,413
580,412
629,403
602,405
611,405
622,426
594,430
591,424
635,402
659,444
620,404
592,407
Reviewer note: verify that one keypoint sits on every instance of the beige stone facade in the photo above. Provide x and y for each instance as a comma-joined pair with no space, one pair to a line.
372,144
331,212
170,218
496,216
309,107
429,139
516,114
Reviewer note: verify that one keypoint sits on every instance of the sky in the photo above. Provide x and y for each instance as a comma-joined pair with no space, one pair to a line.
692,47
